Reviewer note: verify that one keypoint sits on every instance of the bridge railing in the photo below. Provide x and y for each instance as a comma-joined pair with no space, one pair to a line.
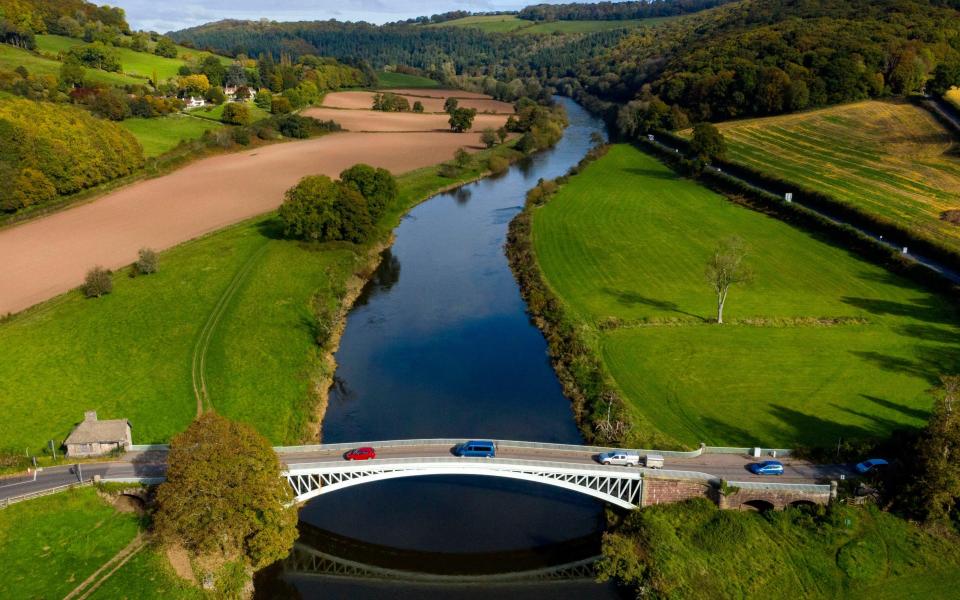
503,443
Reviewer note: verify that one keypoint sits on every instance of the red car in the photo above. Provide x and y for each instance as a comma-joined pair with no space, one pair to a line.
365,453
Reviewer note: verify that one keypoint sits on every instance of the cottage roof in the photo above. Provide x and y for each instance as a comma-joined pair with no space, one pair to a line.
90,431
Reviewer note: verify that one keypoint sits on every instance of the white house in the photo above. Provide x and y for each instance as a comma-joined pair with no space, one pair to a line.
196,102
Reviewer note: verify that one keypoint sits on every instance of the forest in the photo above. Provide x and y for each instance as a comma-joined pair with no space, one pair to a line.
615,11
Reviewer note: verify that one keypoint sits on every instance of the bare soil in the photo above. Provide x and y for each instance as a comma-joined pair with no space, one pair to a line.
364,100
49,256
371,120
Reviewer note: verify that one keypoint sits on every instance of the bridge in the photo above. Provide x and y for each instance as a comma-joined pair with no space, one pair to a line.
321,469
316,470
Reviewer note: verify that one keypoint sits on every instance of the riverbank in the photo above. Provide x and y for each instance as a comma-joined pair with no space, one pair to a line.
804,357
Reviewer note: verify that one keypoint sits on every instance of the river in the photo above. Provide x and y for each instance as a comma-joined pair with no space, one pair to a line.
439,345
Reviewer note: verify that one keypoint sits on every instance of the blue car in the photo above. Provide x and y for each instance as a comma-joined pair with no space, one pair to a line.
477,448
767,467
868,465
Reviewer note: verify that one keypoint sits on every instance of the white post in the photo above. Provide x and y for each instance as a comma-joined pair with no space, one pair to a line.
80,472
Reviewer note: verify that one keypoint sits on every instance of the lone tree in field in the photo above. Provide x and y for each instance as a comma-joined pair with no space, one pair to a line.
224,499
461,119
99,282
707,142
450,105
939,454
726,268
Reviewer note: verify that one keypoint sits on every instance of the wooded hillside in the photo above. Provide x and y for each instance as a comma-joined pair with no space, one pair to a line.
50,149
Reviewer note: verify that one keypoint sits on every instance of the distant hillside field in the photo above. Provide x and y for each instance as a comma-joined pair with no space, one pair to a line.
141,64
821,345
892,160
510,23
401,80
11,58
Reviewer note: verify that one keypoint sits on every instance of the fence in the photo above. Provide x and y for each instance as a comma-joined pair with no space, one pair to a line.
5,502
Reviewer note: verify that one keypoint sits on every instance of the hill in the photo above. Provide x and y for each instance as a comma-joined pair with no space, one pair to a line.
763,57
821,345
892,161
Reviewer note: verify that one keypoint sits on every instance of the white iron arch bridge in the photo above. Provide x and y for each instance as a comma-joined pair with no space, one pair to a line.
618,486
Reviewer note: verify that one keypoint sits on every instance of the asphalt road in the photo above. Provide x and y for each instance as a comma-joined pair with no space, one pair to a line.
726,466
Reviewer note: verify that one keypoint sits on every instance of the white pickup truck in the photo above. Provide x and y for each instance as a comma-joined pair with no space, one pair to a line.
628,458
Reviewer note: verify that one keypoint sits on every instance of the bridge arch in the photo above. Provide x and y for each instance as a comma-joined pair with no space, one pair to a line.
757,505
617,487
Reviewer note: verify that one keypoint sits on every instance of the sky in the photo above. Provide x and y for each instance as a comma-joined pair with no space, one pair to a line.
163,16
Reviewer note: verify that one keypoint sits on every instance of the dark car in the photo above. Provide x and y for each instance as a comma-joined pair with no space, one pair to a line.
364,453
767,467
868,465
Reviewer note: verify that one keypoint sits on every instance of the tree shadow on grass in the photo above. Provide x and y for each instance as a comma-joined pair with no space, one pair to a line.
630,299
914,413
272,229
927,309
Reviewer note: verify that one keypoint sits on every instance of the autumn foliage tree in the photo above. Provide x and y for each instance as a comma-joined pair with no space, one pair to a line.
939,455
224,497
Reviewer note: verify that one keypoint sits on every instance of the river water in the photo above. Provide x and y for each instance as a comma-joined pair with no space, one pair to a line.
439,345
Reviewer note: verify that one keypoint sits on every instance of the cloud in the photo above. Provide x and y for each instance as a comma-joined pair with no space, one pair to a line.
154,15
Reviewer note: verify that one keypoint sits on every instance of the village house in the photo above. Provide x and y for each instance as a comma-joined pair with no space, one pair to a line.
96,438
196,102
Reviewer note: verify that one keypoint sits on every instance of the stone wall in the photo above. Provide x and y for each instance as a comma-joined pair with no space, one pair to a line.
663,491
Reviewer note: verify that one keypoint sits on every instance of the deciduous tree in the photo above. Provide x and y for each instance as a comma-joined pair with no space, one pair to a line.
939,454
224,496
461,119
489,137
726,268
707,142
98,282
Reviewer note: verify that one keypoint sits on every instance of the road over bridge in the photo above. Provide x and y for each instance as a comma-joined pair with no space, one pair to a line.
319,469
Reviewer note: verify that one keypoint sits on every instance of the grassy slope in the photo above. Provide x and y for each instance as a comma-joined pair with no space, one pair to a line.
135,63
163,134
629,240
11,58
489,23
215,113
129,354
402,80
698,551
49,545
893,160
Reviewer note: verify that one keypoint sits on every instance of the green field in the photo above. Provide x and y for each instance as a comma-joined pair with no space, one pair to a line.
821,345
387,79
11,58
693,551
215,113
147,576
891,160
489,23
141,64
130,354
51,544
511,23
163,134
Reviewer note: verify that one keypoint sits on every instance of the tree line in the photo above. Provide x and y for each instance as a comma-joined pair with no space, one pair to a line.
615,11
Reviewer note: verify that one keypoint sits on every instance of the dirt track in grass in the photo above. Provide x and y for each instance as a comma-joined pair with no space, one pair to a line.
49,256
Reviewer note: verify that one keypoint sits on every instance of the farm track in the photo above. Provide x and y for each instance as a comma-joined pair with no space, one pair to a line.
199,359
89,585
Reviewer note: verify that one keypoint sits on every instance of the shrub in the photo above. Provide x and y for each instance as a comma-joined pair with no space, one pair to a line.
449,171
241,135
147,262
497,164
418,107
462,158
489,137
98,282
236,113
280,105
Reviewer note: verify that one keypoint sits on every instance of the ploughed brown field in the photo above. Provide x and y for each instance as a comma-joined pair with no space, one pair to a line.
431,104
431,93
373,120
49,256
